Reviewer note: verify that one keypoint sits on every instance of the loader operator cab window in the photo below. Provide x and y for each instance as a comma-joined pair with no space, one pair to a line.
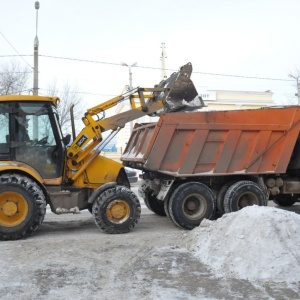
4,131
37,138
21,124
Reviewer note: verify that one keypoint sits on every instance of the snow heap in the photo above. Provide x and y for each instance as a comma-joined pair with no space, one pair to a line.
255,243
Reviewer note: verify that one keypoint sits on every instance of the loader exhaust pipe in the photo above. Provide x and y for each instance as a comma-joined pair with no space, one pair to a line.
182,94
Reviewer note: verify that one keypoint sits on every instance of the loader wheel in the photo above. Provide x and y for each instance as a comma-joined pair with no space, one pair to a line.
190,203
116,210
22,206
285,200
242,194
155,205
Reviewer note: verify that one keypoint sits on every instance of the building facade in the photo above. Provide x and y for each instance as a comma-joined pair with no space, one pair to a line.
224,99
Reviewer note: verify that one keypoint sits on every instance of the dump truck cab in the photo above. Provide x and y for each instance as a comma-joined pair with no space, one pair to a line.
30,134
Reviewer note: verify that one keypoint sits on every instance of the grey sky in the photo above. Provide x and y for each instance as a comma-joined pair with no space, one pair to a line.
255,38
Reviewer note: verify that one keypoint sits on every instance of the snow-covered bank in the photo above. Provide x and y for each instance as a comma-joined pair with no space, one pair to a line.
255,243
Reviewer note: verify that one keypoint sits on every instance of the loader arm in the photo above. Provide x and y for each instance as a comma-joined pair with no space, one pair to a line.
173,94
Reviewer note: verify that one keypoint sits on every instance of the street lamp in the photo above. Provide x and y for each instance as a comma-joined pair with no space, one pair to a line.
36,54
130,84
130,73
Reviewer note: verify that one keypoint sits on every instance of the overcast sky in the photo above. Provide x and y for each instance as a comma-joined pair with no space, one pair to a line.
257,38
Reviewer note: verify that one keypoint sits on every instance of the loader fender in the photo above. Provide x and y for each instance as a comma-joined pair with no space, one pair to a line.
19,167
99,190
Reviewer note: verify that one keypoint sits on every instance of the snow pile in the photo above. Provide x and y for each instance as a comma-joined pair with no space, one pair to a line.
255,243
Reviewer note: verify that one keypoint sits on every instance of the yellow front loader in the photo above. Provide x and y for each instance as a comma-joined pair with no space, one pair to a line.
38,168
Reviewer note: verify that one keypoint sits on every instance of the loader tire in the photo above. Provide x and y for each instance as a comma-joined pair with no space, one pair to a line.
244,193
22,206
190,203
155,205
116,210
285,200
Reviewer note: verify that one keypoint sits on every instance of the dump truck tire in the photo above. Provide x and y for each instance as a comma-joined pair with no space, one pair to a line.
190,203
167,200
166,207
285,200
221,195
152,203
142,191
116,210
244,193
146,201
155,205
22,206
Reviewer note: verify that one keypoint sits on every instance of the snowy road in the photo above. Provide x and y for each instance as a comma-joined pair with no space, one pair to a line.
70,258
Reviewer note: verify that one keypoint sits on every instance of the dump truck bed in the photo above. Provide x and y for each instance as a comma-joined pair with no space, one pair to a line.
211,143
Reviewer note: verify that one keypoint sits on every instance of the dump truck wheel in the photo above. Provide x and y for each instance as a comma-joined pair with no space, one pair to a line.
155,205
142,191
146,201
116,210
285,200
166,206
152,203
190,203
167,200
22,206
242,194
220,197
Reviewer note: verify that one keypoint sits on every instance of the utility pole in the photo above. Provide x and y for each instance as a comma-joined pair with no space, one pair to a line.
163,62
36,54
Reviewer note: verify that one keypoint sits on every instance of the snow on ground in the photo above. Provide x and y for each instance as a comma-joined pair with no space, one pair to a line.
255,243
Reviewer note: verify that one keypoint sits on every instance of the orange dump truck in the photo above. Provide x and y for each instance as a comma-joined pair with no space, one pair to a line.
197,164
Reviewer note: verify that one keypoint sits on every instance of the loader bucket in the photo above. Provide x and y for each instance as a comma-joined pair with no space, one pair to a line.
182,94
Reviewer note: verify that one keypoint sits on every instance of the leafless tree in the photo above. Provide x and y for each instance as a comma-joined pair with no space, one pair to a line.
296,76
69,95
14,78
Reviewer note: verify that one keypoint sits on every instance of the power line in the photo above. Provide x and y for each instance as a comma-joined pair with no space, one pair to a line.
15,72
86,93
81,60
13,55
16,50
243,76
153,68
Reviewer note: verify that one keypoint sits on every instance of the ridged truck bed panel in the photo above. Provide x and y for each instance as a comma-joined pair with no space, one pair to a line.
216,142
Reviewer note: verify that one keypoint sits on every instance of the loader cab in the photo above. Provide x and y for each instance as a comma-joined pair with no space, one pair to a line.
30,133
